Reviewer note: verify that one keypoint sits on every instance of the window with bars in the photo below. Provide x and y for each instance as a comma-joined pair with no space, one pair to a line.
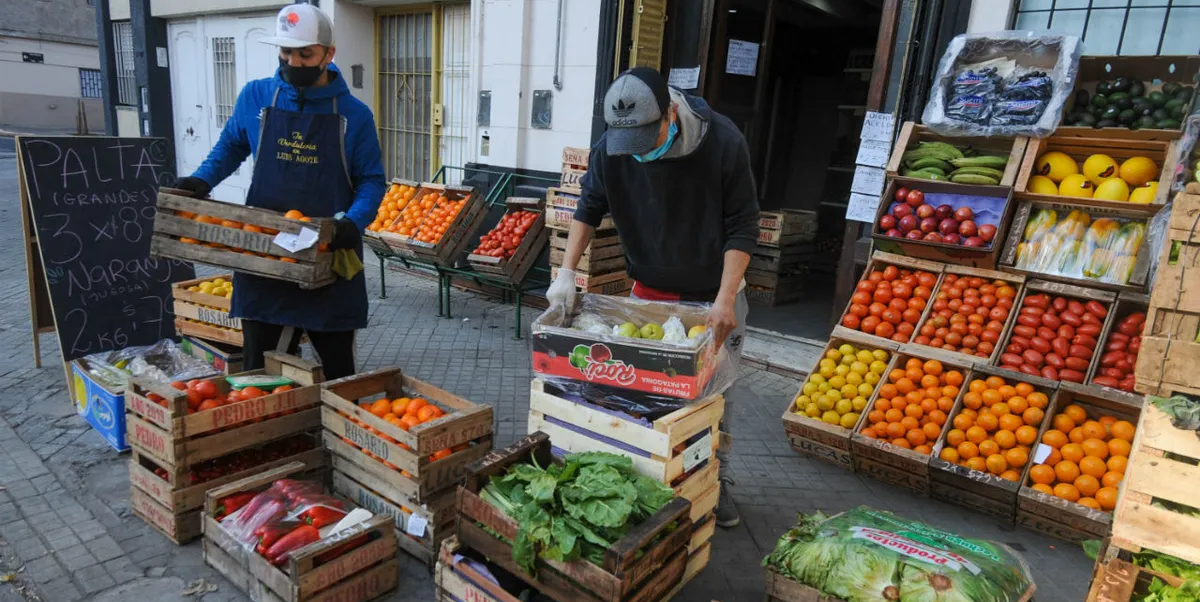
224,79
126,74
1118,27
89,83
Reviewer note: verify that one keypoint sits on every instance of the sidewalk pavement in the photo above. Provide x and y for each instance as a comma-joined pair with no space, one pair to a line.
67,532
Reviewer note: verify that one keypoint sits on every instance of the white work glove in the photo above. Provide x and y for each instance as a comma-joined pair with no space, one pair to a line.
562,290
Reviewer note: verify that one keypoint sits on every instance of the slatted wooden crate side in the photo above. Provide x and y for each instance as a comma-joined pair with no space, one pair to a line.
515,268
173,452
205,330
180,292
1163,152
878,262
911,133
179,528
168,222
305,275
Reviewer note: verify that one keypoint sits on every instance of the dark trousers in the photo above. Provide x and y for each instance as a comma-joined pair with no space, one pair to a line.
335,349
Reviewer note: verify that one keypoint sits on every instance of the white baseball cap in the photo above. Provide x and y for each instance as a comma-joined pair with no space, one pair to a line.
301,25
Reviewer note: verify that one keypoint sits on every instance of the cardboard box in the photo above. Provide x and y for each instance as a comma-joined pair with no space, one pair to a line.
102,407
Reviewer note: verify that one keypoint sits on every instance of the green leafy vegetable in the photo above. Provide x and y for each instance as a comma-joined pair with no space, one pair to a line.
1185,413
1167,565
1160,591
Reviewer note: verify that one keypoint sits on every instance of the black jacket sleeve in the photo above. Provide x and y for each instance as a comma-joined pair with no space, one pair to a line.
741,199
593,200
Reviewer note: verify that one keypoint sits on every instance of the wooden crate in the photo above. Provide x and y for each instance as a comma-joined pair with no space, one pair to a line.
605,244
384,242
1116,143
590,266
577,157
604,284
634,570
823,441
1057,517
984,492
1016,281
783,227
225,358
514,269
880,260
1152,71
1185,215
376,446
203,315
358,574
421,537
789,290
572,178
790,259
458,235
1162,466
309,268
911,133
1118,580
1176,281
560,210
785,589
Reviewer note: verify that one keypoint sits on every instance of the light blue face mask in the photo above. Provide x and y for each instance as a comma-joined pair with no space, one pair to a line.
657,153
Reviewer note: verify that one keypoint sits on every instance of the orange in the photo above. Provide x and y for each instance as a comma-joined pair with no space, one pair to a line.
988,448
991,397
1077,413
1055,438
949,454
994,382
933,367
1089,503
1118,448
923,449
1024,389
390,417
1067,471
976,463
1072,452
1122,429
439,454
1016,457
1117,464
399,405
893,415
930,380
904,385
869,432
895,375
913,364
1087,485
1066,491
1017,404
887,391
1095,448
1038,400
1011,422
914,410
1108,421
976,434
996,464
293,214
1112,479
987,422
955,436
1042,474
977,386
1076,435
1107,497
973,400
1011,475
381,408
1063,423
1044,488
1006,391
1001,409
884,404
1054,458
915,437
410,420
415,406
954,378
932,431
427,413
914,374
909,423
894,430
902,443
967,450
937,417
1033,416
1005,438
1026,435
1094,430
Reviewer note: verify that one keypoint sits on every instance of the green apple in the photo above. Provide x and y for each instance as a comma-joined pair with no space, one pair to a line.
697,330
652,331
629,329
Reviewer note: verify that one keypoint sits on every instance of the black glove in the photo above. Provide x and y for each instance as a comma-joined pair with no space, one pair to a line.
199,188
345,234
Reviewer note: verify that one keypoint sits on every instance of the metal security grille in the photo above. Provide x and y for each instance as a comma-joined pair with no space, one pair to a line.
89,83
224,79
126,76
649,24
1118,27
455,77
406,94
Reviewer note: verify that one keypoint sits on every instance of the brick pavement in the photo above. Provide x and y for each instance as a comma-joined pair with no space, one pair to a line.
66,531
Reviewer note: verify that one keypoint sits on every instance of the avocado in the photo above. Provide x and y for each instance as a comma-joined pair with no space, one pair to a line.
1126,117
1099,101
1167,124
1142,106
1170,88
1111,113
1159,114
1088,119
1106,123
1081,99
1121,84
1184,93
1121,100
1104,88
1145,121
1174,108
1137,89
1158,99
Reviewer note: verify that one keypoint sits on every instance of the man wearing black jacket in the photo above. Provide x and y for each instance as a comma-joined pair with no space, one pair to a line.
675,175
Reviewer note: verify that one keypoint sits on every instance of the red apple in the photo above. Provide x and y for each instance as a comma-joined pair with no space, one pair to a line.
972,241
987,232
952,238
929,224
924,211
916,198
887,222
901,210
933,237
894,233
963,214
901,194
915,234
908,223
947,225
944,211
967,229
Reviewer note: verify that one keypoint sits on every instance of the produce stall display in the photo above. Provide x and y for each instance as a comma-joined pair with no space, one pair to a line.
1079,245
510,248
976,159
202,309
1057,331
944,221
1130,170
971,311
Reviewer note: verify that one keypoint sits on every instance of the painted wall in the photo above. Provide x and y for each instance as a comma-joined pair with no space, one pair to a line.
179,8
354,37
45,95
60,20
989,15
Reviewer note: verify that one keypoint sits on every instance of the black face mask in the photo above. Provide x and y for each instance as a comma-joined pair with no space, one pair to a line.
301,77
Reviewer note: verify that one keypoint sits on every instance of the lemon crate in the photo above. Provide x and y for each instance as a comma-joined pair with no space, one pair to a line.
645,565
402,458
353,565
309,268
812,436
1056,517
912,133
205,315
1162,467
981,491
165,435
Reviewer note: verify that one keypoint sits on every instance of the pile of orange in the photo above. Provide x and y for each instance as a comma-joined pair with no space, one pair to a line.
228,223
996,428
394,201
411,215
434,227
1088,459
405,413
912,407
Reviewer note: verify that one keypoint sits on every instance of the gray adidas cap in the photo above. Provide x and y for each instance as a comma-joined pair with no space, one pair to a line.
300,26
633,109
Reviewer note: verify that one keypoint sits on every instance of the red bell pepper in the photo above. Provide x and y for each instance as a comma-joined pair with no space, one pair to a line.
267,535
319,516
300,537
232,503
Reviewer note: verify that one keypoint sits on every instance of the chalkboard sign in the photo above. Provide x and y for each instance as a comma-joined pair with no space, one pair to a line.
92,200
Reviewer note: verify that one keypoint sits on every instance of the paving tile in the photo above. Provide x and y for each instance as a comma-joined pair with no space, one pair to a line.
76,557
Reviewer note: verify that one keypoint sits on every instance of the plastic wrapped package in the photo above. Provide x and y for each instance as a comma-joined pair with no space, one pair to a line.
286,516
1159,224
162,361
1008,83
1077,246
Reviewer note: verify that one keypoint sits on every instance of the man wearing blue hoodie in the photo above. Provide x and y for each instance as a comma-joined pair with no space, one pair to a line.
315,150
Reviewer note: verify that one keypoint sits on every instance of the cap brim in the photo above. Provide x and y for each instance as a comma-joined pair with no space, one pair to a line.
632,141
287,42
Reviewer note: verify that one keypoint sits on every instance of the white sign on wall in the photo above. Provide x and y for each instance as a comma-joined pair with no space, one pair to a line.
742,58
874,147
684,79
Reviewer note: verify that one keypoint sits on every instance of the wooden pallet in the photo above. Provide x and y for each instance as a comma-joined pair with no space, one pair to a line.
515,268
634,570
911,133
458,235
419,538
312,268
357,574
385,450
784,227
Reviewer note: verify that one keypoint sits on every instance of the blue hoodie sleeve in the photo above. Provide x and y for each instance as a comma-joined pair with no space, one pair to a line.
234,144
366,171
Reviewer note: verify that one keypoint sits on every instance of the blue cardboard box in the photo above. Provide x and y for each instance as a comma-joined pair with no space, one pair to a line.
102,407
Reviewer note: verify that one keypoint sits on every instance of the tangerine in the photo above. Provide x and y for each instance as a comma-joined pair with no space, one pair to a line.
1011,422
954,378
1024,389
1042,474
1066,491
1107,497
1077,414
1094,430
1072,452
977,386
1005,439
972,400
976,463
428,413
1067,471
1055,438
987,422
1018,404
989,448
381,408
949,454
1088,502
1007,391
1112,479
410,420
1063,423
955,436
967,450
1122,429
1033,416
923,449
976,434
1087,485
1026,435
1044,488
996,464
994,382
1076,435
1038,400
1118,448
1011,475
915,437
1117,464
399,405
1016,457
932,431
415,406
1095,448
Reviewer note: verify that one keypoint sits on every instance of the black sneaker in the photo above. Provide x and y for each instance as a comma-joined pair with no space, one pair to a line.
726,511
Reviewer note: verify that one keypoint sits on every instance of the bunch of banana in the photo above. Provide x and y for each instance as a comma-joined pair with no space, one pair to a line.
946,162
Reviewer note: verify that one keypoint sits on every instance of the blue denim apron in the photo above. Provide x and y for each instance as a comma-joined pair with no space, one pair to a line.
316,181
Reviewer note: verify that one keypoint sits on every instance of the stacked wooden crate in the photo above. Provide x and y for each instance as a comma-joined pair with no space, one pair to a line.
203,323
601,269
786,247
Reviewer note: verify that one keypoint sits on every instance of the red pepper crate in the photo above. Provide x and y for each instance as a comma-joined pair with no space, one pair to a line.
354,565
514,268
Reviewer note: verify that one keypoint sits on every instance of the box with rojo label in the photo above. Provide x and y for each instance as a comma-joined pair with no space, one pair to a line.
647,364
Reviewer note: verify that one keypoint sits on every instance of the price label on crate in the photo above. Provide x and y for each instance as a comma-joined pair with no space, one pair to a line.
697,452
416,525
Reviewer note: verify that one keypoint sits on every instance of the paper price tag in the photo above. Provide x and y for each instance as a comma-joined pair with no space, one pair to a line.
874,153
867,180
862,207
1042,452
878,126
294,243
697,452
416,526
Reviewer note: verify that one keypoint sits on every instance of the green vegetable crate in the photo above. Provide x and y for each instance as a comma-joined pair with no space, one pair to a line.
912,135
1118,580
644,566
319,571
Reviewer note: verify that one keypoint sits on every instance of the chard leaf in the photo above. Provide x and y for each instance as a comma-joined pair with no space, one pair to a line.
623,463
566,539
652,495
602,512
541,489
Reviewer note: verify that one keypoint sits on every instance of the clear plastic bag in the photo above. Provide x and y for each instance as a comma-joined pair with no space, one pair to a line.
166,362
1008,83
288,508
1104,249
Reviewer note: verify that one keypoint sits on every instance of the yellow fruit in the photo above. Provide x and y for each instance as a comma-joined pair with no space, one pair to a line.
824,403
1042,185
1113,189
832,417
860,403
834,355
865,356
1138,171
843,406
878,367
1144,195
1099,168
848,420
847,350
1056,166
880,355
1076,185
813,411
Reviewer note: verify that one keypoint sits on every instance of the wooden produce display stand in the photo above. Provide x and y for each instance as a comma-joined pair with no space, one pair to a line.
514,269
329,569
204,315
1016,281
912,133
643,566
241,239
389,470
168,441
778,266
457,236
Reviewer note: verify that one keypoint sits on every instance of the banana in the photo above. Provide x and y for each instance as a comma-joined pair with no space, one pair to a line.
980,171
945,146
911,156
925,175
933,170
981,161
944,166
970,178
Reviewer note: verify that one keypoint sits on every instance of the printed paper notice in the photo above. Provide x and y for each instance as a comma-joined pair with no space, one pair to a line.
416,525
873,152
295,243
697,452
862,207
878,126
867,180
684,79
742,58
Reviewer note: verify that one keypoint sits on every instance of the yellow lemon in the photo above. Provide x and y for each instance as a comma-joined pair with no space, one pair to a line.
1056,166
1042,185
859,368
860,402
1144,195
854,378
880,355
865,356
832,417
1076,185
1099,168
864,390
844,406
871,378
1137,171
1114,189
812,411
849,420
847,350
834,354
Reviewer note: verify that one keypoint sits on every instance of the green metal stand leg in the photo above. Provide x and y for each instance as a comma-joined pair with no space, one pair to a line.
440,282
448,277
517,334
382,277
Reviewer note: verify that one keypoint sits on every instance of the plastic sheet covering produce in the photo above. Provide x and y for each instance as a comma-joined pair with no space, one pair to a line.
867,555
1009,83
162,361
1073,244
